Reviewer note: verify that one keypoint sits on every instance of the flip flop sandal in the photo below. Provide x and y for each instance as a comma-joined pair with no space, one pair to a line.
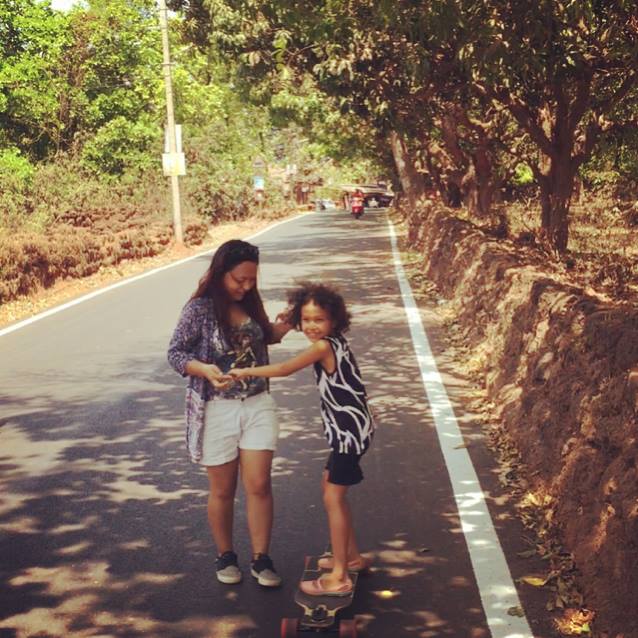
327,562
317,588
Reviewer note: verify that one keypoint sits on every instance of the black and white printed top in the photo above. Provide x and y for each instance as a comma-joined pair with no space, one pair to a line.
347,420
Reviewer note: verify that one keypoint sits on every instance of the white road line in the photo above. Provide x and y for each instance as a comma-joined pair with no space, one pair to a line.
496,588
101,291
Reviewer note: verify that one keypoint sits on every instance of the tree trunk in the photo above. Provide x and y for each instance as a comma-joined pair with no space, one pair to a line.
434,171
478,195
557,185
487,183
453,192
411,180
458,159
471,192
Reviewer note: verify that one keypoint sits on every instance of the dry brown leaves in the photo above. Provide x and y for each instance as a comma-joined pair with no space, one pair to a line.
575,622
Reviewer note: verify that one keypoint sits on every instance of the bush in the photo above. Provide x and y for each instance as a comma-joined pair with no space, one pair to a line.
16,175
70,220
121,145
68,193
29,262
14,165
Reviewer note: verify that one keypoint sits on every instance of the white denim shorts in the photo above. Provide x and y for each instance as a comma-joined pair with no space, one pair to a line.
234,424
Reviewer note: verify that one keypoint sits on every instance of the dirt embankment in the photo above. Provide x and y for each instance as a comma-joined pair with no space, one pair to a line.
31,280
556,363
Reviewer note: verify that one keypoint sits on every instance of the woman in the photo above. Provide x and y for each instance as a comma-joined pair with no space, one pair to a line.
231,427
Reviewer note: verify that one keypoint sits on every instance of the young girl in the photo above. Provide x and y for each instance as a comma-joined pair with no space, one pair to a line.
321,314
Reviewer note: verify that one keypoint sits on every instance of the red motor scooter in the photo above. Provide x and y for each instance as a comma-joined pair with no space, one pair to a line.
356,206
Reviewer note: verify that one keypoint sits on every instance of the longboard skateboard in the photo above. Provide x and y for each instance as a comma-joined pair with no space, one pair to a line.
320,612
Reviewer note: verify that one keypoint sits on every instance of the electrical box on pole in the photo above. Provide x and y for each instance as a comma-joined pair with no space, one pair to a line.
173,163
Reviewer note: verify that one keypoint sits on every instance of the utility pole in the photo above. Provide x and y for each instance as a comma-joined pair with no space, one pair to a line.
170,121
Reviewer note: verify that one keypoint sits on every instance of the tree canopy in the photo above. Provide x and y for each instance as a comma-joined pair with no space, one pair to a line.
449,95
87,85
463,92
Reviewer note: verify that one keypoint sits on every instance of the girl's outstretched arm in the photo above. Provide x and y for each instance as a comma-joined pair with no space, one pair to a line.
318,351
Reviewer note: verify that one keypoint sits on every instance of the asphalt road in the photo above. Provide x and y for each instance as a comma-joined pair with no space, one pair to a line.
102,517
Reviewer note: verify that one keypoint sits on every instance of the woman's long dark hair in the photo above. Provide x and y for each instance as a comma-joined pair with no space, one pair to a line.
211,285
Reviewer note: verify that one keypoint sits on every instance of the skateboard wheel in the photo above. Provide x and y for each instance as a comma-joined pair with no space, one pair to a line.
348,629
289,627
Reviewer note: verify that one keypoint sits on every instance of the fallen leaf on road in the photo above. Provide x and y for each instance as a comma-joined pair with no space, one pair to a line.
535,581
575,622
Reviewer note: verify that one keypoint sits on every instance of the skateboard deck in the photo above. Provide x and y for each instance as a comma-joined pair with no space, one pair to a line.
320,612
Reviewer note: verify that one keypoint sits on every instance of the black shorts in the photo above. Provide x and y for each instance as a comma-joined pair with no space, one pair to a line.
344,469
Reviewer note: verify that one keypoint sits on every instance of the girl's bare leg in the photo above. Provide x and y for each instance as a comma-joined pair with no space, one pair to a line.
353,554
222,481
340,523
255,473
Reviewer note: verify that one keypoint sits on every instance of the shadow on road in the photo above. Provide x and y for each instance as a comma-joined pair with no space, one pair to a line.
103,517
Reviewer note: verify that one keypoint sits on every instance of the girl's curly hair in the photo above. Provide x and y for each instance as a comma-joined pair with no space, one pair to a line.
323,296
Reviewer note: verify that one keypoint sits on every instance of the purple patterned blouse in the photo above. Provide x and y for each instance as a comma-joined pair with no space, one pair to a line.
198,336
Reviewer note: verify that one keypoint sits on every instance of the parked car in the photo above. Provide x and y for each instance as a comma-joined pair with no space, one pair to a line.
324,204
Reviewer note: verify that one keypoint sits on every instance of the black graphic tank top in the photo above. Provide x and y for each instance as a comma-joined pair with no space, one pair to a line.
347,421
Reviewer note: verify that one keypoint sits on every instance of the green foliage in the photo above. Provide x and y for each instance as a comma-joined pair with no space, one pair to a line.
473,88
64,76
523,175
16,175
219,187
199,100
32,43
123,146
120,68
14,166
81,96
64,192
616,162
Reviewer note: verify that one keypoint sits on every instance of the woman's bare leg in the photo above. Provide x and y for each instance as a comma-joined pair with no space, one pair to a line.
222,481
255,468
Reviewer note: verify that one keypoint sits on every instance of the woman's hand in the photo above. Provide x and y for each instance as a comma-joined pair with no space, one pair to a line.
282,326
285,317
217,378
210,372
